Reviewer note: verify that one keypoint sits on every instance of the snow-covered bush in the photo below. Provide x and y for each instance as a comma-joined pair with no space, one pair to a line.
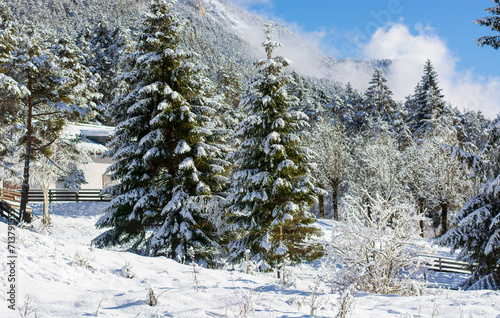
81,261
127,271
376,253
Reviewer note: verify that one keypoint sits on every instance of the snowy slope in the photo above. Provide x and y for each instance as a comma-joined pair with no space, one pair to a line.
228,20
60,275
308,60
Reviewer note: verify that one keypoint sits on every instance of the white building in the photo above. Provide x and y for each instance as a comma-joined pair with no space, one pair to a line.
94,140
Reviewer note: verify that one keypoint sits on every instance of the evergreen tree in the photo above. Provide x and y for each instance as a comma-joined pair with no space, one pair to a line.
378,102
167,161
105,48
51,99
353,109
476,232
83,85
229,85
10,90
494,23
300,89
427,103
272,187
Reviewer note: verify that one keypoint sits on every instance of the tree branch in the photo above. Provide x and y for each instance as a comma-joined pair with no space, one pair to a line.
43,147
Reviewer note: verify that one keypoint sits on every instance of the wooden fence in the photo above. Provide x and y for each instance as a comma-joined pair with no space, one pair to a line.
60,195
445,264
7,211
11,195
10,199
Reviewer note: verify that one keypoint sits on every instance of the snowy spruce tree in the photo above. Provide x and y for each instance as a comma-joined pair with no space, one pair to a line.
379,104
166,157
427,104
476,233
272,185
494,23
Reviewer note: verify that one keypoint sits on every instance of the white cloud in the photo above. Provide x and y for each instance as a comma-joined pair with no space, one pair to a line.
409,53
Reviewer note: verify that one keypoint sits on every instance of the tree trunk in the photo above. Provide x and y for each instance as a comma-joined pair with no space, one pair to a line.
321,204
26,217
421,210
335,200
444,218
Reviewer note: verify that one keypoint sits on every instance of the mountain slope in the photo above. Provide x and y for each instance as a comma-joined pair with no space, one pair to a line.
218,30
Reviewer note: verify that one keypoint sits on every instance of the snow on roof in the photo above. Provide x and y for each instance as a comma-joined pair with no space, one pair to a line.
72,131
89,130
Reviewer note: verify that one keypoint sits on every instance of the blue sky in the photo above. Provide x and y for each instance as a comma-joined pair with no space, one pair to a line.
409,31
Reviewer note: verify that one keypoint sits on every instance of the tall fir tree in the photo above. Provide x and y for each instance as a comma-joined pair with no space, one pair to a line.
167,161
427,102
272,184
494,23
379,104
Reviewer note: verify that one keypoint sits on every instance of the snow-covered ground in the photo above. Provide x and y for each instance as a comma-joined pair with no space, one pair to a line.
60,275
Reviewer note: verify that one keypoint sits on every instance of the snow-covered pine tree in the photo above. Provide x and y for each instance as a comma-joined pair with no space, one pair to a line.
272,184
494,23
300,89
83,85
10,93
51,100
10,90
476,233
379,103
167,162
427,103
352,112
229,86
105,48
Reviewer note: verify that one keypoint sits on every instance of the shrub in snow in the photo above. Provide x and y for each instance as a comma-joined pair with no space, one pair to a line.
246,302
476,232
376,253
127,271
152,299
315,301
347,301
80,261
287,277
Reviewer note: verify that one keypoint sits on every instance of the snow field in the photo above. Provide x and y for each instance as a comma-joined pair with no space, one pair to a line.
60,275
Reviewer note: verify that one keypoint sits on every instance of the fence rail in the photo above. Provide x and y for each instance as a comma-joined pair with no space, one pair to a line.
445,264
7,211
9,194
59,195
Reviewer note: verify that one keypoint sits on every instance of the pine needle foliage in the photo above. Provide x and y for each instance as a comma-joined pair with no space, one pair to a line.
494,23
